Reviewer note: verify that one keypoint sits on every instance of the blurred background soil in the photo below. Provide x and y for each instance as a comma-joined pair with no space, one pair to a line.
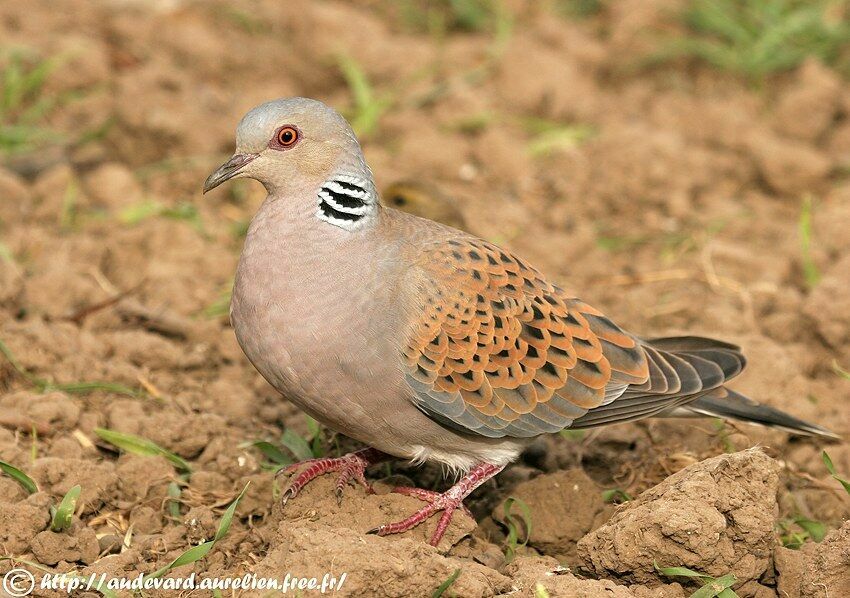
682,165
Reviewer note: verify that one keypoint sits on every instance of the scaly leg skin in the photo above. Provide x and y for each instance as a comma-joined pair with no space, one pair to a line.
448,502
428,496
351,467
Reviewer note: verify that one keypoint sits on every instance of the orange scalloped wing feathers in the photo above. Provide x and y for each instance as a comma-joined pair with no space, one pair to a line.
499,351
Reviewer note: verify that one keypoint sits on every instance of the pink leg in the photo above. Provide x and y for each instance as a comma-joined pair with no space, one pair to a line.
350,467
448,502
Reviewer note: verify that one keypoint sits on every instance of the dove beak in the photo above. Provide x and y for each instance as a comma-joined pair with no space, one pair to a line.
227,171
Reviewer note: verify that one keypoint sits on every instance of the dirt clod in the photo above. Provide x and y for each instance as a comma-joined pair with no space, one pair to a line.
380,567
21,521
52,547
818,570
789,167
809,108
717,516
564,506
362,512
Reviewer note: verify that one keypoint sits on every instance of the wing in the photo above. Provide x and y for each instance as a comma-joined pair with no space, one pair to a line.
499,351
682,370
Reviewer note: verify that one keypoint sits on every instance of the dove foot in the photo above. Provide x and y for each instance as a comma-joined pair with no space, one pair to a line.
447,502
351,468
428,496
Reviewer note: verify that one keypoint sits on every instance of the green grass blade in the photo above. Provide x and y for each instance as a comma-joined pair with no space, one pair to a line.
540,591
616,495
297,445
314,428
815,529
271,451
141,446
64,513
719,18
221,306
227,518
830,467
356,79
368,107
194,554
810,269
35,79
174,493
13,88
680,572
756,39
10,357
137,212
198,552
717,588
441,589
560,139
514,522
840,370
711,587
6,254
24,105
71,387
573,435
26,482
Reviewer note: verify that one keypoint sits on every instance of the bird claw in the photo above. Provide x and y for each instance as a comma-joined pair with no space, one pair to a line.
350,467
448,502
339,499
428,496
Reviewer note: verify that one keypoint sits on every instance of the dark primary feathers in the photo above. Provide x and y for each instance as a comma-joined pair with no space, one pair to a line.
682,369
500,352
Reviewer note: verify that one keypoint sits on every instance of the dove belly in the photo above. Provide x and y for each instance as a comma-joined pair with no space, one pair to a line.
342,366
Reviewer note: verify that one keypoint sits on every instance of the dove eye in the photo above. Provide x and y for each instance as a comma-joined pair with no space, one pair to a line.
286,137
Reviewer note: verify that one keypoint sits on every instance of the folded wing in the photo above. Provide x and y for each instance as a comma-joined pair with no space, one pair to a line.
499,351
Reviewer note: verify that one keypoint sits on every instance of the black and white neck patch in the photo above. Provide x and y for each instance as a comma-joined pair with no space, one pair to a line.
344,201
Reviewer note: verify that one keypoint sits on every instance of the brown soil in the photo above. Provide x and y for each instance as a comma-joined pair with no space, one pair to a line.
678,212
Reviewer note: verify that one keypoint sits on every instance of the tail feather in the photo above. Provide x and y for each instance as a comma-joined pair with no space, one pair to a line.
687,377
727,403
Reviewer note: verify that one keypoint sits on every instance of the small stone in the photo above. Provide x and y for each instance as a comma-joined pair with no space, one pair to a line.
789,167
110,543
808,108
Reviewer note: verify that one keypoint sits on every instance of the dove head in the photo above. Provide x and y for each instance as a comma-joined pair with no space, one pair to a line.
299,147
